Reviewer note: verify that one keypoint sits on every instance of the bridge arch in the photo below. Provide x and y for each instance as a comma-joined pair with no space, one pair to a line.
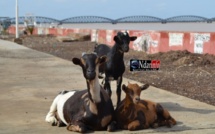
187,18
138,19
87,19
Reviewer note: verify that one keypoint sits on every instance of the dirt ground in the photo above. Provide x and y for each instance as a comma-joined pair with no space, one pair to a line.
181,72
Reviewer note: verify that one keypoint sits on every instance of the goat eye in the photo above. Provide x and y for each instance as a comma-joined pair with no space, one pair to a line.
131,93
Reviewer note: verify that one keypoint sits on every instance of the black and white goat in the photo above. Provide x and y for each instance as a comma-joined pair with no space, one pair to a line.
114,67
89,109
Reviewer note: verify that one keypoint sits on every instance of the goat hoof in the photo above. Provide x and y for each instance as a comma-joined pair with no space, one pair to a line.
155,125
61,124
77,128
54,123
111,127
169,125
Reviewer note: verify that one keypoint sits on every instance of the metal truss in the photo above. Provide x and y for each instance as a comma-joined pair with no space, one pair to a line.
98,19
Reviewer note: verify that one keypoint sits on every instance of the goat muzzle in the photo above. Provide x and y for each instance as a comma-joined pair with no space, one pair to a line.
90,75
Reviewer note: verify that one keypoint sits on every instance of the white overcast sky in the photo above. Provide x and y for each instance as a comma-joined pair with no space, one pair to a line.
113,9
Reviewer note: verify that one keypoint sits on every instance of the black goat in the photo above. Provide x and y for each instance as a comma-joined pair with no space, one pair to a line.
114,67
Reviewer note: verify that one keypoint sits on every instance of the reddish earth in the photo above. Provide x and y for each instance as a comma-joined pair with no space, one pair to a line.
181,72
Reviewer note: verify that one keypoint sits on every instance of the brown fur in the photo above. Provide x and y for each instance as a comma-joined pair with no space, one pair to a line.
106,120
134,113
89,109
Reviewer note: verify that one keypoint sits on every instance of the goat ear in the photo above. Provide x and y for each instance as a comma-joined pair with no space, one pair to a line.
116,39
133,38
76,61
102,59
124,88
143,87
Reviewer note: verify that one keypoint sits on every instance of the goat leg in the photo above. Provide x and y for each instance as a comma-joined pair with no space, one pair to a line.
164,117
81,128
135,125
107,87
118,90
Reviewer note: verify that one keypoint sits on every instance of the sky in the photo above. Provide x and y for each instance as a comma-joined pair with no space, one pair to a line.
113,9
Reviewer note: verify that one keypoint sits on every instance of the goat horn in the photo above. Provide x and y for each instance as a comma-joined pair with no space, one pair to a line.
94,53
126,32
83,54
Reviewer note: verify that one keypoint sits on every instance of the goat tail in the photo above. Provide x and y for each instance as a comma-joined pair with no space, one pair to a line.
50,117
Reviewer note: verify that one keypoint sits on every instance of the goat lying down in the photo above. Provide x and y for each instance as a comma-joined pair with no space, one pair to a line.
133,113
89,109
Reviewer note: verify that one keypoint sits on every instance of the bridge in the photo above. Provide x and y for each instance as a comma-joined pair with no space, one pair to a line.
98,19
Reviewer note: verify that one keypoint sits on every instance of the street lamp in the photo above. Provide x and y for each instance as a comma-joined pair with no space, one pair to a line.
17,19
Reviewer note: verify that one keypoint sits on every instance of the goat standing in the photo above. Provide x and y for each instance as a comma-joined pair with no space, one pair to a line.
133,113
114,67
90,109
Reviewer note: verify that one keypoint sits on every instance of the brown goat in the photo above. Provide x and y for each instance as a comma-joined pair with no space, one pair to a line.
133,113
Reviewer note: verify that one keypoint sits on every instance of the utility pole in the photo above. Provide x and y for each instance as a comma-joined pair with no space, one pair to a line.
17,19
